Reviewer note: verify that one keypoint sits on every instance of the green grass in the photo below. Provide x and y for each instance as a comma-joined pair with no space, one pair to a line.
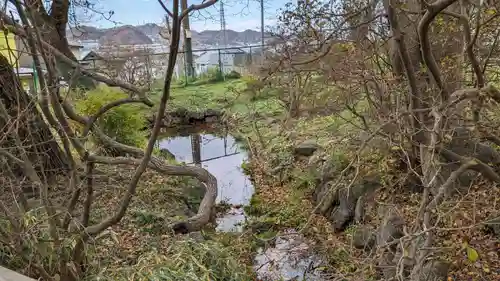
201,97
229,96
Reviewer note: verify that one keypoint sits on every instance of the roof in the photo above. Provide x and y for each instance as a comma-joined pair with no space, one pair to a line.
75,45
90,55
84,54
232,51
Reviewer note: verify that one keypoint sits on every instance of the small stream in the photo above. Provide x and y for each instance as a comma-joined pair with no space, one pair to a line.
290,258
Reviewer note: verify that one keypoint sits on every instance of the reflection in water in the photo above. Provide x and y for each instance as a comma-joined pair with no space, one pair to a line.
291,258
223,158
196,148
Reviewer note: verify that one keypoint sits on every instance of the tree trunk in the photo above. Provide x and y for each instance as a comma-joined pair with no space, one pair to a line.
39,142
53,29
65,70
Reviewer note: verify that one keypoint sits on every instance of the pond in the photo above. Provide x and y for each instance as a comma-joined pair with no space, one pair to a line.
291,257
222,157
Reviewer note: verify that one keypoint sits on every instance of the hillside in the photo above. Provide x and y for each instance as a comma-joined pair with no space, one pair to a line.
148,33
124,35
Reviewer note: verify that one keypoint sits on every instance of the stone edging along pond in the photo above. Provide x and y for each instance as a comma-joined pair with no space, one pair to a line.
183,117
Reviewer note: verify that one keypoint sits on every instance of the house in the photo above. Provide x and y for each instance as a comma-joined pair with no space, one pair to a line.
9,48
91,59
76,49
130,65
227,59
25,59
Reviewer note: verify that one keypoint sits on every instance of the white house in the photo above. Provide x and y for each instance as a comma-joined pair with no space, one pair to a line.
229,60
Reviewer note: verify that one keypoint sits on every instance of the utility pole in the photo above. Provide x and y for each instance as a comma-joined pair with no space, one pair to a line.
223,25
188,48
222,60
262,22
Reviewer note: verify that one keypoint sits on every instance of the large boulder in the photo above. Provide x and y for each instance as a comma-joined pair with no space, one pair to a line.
464,143
348,207
306,148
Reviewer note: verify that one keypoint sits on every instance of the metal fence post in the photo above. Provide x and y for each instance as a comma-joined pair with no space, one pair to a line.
185,72
220,65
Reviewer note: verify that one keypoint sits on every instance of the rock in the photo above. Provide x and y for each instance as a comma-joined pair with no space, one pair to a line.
363,238
341,217
348,199
344,214
212,112
306,148
434,271
390,229
197,236
328,199
180,112
211,119
465,144
359,211
320,191
198,116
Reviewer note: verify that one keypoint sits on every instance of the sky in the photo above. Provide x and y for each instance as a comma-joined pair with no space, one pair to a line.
240,14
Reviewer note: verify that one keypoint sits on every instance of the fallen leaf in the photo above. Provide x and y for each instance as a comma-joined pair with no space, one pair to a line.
472,254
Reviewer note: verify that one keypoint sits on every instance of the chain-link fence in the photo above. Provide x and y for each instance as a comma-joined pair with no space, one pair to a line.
144,66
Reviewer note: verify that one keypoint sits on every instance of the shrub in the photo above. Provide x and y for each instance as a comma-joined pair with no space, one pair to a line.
124,123
233,75
255,88
212,75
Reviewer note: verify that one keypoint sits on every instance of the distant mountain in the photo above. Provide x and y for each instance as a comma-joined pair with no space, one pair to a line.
85,32
149,33
124,35
150,29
